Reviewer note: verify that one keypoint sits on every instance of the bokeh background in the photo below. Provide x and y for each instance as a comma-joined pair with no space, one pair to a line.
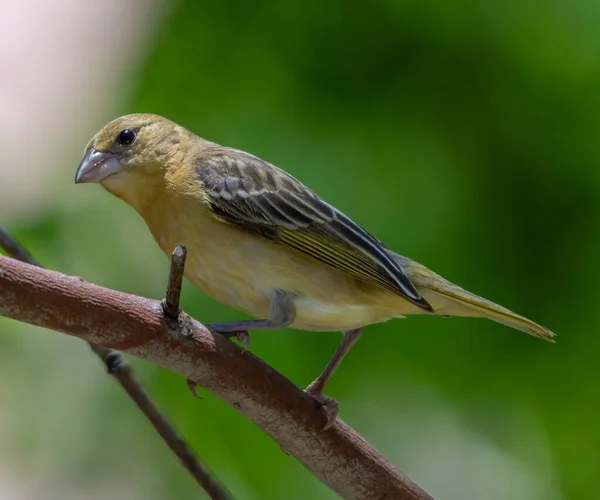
464,134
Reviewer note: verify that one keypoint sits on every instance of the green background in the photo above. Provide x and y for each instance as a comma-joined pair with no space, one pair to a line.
462,134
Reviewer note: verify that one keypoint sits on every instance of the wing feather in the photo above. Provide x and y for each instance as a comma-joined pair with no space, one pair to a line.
264,200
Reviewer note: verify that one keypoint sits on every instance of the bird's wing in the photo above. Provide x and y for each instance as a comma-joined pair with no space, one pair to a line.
260,198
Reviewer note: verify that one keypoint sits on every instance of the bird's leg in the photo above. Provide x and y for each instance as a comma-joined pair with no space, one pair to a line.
282,312
316,388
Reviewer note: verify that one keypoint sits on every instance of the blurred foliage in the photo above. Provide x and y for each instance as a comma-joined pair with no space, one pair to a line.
464,135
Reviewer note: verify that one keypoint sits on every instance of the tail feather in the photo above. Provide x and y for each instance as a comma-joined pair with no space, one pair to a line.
456,301
449,299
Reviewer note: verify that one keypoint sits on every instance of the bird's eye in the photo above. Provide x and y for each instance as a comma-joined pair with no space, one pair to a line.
126,137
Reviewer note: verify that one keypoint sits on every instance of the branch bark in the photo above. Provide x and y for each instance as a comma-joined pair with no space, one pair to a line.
339,456
118,367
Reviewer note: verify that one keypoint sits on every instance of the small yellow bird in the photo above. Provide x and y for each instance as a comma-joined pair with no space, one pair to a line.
263,243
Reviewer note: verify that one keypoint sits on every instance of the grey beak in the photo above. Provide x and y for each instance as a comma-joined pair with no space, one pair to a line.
96,166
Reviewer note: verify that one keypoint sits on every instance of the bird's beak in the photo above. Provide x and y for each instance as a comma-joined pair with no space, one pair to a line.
96,166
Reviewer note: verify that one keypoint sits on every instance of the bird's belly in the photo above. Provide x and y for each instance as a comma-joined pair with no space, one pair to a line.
312,311
243,271
319,302
314,314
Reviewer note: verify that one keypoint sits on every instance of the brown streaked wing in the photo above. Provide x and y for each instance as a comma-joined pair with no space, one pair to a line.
264,200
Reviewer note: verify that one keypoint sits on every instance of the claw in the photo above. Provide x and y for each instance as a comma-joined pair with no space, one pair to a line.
244,338
330,405
192,387
242,335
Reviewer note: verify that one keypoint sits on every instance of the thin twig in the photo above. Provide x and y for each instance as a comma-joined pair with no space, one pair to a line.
173,294
119,368
171,301
339,456
14,249
122,371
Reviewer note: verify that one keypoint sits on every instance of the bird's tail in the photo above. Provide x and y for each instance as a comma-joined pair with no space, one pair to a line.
446,298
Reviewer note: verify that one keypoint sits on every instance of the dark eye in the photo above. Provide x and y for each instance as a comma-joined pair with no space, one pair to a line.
126,137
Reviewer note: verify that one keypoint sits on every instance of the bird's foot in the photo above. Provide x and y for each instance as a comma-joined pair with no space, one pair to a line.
192,387
242,335
330,405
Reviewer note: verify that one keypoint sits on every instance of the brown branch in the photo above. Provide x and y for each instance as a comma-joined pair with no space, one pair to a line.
119,368
339,456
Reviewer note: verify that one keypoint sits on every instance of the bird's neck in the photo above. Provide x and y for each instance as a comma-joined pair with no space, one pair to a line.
141,193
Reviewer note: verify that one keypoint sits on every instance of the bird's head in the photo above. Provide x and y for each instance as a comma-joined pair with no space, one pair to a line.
131,153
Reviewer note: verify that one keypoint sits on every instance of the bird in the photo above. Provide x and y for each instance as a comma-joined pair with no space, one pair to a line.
261,242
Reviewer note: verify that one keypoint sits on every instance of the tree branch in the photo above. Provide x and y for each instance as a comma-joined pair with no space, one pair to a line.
119,368
339,457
